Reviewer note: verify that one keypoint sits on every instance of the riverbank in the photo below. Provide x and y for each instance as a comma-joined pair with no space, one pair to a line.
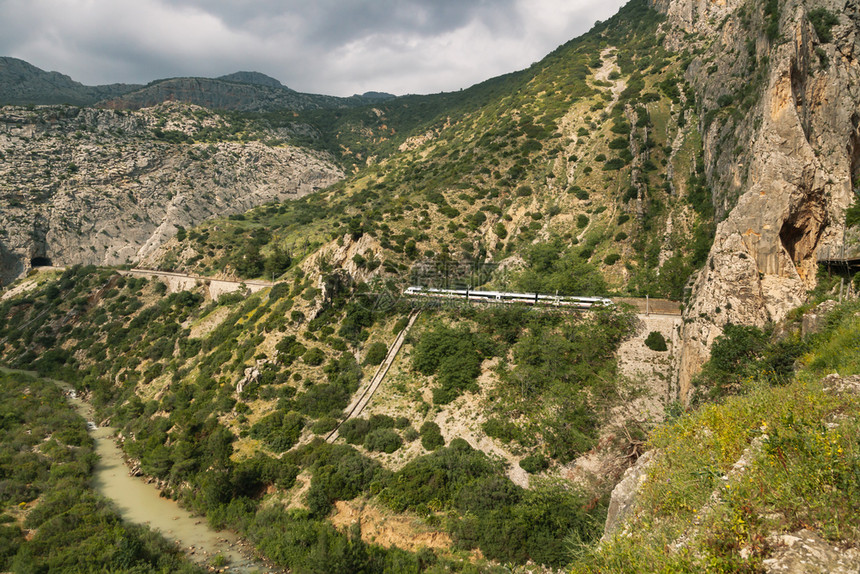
140,502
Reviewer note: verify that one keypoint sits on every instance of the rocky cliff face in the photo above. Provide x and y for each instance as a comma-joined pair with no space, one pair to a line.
782,146
95,186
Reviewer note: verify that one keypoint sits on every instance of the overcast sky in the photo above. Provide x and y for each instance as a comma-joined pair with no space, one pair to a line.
337,47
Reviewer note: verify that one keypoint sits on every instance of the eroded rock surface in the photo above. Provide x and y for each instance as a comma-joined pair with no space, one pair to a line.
97,186
805,552
781,162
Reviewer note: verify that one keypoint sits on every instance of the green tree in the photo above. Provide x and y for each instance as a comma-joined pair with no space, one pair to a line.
277,263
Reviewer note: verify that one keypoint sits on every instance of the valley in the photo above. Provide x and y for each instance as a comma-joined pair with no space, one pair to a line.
245,293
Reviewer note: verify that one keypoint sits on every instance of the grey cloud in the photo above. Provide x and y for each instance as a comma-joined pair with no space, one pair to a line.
326,46
340,21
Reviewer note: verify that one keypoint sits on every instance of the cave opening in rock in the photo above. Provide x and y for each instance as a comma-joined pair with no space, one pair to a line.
40,262
790,237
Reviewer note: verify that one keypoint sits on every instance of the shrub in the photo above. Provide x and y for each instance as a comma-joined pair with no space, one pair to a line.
504,430
823,20
534,463
500,231
410,434
454,356
431,436
611,259
383,440
380,421
322,400
279,430
524,191
733,353
581,220
613,164
324,425
655,341
376,353
314,356
353,431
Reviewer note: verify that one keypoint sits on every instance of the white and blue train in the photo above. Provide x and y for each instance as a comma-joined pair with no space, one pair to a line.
504,297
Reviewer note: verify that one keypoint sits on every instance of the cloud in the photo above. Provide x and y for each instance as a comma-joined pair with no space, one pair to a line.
337,47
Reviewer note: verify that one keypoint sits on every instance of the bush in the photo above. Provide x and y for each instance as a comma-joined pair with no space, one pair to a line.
454,356
376,353
279,431
823,20
380,421
534,463
383,440
613,164
655,341
611,259
524,191
733,354
431,436
324,425
314,356
354,430
504,430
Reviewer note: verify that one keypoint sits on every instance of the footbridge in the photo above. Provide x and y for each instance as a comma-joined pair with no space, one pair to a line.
845,257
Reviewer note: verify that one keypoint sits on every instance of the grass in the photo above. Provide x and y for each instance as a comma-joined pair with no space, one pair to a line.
696,513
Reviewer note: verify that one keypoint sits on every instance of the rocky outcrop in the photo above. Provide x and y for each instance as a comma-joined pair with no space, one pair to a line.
96,186
781,170
805,552
625,493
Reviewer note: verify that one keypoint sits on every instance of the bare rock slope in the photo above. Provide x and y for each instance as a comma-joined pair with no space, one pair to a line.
97,186
782,146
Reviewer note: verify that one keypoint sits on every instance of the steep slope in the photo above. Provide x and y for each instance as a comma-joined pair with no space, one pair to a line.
593,152
600,169
760,483
778,87
98,186
24,84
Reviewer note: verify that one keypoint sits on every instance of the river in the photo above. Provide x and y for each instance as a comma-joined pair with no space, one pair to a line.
140,502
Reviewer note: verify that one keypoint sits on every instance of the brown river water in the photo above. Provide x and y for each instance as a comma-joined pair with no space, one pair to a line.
141,503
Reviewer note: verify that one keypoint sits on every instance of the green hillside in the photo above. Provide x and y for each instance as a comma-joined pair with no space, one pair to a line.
498,432
795,437
548,156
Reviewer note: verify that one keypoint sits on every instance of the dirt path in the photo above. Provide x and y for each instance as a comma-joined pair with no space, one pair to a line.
609,66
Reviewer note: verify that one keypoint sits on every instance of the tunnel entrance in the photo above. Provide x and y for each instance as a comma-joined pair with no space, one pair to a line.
40,262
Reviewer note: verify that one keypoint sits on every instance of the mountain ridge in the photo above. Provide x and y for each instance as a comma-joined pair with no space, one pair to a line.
705,151
22,83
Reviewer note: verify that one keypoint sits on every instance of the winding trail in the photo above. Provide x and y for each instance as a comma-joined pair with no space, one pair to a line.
140,502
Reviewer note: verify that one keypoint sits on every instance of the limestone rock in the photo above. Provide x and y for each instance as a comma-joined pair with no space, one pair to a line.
813,321
96,186
781,171
805,552
625,493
